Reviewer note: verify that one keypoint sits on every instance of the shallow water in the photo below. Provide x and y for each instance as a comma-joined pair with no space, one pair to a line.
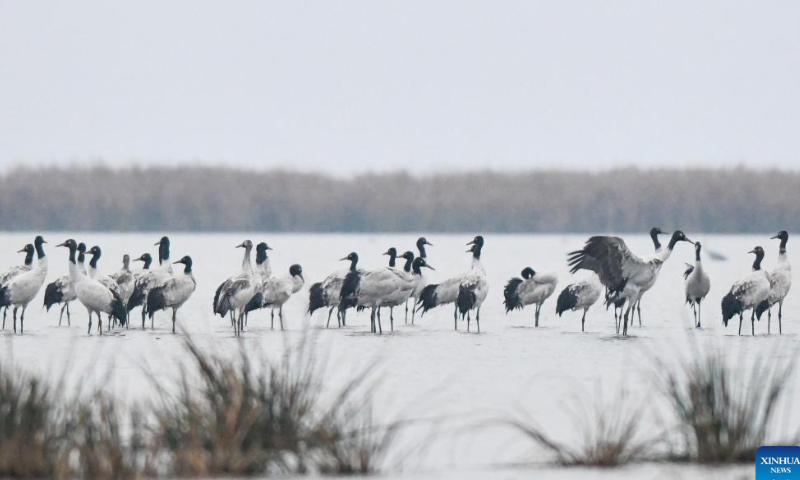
426,371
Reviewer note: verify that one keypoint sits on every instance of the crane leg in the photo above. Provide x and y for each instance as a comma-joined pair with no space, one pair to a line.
753,321
625,321
699,310
780,315
740,323
5,311
391,318
380,327
69,320
100,323
455,317
143,327
22,320
272,319
174,319
583,320
468,319
15,319
639,311
60,315
769,320
478,319
413,313
280,315
330,312
90,322
406,312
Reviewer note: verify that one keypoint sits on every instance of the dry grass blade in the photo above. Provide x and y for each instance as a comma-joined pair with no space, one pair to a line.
610,435
723,416
234,420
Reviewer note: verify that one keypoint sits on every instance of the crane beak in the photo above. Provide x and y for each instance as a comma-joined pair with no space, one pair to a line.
428,266
157,244
270,248
62,244
775,237
428,243
22,251
241,245
343,259
662,232
471,243
752,251
690,241
387,253
44,241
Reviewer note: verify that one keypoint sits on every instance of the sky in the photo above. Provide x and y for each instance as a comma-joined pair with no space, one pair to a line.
349,87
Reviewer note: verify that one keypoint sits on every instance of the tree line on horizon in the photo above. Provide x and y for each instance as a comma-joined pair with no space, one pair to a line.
202,199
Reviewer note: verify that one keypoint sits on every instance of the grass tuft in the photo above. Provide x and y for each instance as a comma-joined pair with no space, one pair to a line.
610,435
722,415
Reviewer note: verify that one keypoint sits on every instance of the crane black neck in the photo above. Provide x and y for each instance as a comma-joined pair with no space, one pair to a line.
697,253
421,248
147,261
416,265
39,248
757,262
476,251
95,258
392,258
784,241
187,269
407,266
72,250
29,257
163,251
654,236
354,263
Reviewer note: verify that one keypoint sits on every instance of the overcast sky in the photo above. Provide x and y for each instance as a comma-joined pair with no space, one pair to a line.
351,86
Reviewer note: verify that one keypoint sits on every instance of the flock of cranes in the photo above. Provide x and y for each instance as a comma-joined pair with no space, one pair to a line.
617,273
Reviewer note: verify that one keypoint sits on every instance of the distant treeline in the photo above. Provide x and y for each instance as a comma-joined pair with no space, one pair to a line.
222,199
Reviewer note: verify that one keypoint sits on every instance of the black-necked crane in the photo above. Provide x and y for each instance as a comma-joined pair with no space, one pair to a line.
420,281
532,289
780,281
621,271
174,293
580,295
125,278
747,293
152,278
372,288
236,292
474,286
637,307
96,297
27,266
327,293
696,285
18,292
276,291
446,292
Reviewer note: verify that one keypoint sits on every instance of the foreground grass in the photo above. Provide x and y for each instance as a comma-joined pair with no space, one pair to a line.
716,415
226,419
724,416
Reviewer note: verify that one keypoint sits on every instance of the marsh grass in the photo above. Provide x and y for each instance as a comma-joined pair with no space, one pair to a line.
256,416
242,417
721,414
610,434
